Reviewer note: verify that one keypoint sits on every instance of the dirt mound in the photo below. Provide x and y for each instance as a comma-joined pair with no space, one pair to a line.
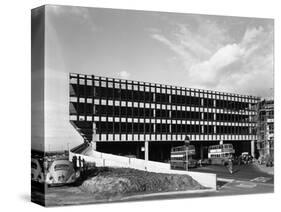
117,182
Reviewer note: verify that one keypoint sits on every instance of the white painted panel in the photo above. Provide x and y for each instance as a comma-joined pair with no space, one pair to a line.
103,137
89,100
73,99
147,137
110,137
73,118
130,137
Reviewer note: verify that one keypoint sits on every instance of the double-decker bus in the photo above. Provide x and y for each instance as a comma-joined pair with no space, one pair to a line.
181,157
220,154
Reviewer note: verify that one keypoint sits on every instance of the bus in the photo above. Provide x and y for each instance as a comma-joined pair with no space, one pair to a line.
181,157
220,154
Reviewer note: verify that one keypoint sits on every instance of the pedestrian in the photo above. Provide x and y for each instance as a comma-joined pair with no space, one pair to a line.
74,162
200,162
230,165
239,160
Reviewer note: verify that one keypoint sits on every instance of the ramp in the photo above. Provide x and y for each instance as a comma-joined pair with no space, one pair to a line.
87,153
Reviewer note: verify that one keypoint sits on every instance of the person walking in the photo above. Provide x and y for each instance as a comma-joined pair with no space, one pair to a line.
230,165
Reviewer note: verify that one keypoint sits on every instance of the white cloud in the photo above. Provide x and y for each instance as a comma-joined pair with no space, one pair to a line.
207,71
124,74
213,60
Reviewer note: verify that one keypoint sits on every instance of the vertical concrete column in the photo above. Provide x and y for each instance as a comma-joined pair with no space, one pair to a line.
146,150
201,151
253,148
94,137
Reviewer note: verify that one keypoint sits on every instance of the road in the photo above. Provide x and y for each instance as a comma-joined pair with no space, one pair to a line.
243,172
246,179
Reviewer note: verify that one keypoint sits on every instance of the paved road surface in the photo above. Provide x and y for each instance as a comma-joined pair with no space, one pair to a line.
244,172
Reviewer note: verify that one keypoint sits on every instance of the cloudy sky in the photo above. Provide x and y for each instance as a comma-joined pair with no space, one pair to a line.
231,54
227,54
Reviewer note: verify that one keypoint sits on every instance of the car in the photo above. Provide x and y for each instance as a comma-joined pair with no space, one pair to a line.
205,162
61,172
192,163
36,171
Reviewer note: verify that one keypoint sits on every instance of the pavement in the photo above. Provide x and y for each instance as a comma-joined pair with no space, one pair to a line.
264,168
246,179
249,172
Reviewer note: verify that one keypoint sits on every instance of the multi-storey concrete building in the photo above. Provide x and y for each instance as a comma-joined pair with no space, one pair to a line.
265,128
129,117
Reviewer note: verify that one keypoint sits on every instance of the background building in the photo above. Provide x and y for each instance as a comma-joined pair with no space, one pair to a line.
265,128
125,117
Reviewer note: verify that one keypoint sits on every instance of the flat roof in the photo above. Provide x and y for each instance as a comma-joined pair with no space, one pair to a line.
137,82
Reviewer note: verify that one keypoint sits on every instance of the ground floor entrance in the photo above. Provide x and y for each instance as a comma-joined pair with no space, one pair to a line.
161,150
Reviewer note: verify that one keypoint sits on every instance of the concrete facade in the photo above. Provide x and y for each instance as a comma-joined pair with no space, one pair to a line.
265,128
122,115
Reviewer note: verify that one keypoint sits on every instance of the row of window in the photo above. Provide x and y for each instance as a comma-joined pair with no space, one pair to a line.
102,110
148,128
144,96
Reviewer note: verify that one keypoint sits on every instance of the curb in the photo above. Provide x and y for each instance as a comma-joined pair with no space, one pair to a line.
225,180
169,193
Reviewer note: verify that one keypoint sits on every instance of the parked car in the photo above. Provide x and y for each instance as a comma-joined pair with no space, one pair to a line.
269,161
61,172
205,162
192,163
36,171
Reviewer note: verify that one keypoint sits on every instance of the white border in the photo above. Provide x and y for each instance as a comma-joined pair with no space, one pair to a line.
15,104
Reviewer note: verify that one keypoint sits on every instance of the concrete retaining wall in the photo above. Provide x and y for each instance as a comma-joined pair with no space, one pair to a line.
109,160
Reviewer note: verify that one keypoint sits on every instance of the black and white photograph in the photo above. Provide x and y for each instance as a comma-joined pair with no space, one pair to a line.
136,105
